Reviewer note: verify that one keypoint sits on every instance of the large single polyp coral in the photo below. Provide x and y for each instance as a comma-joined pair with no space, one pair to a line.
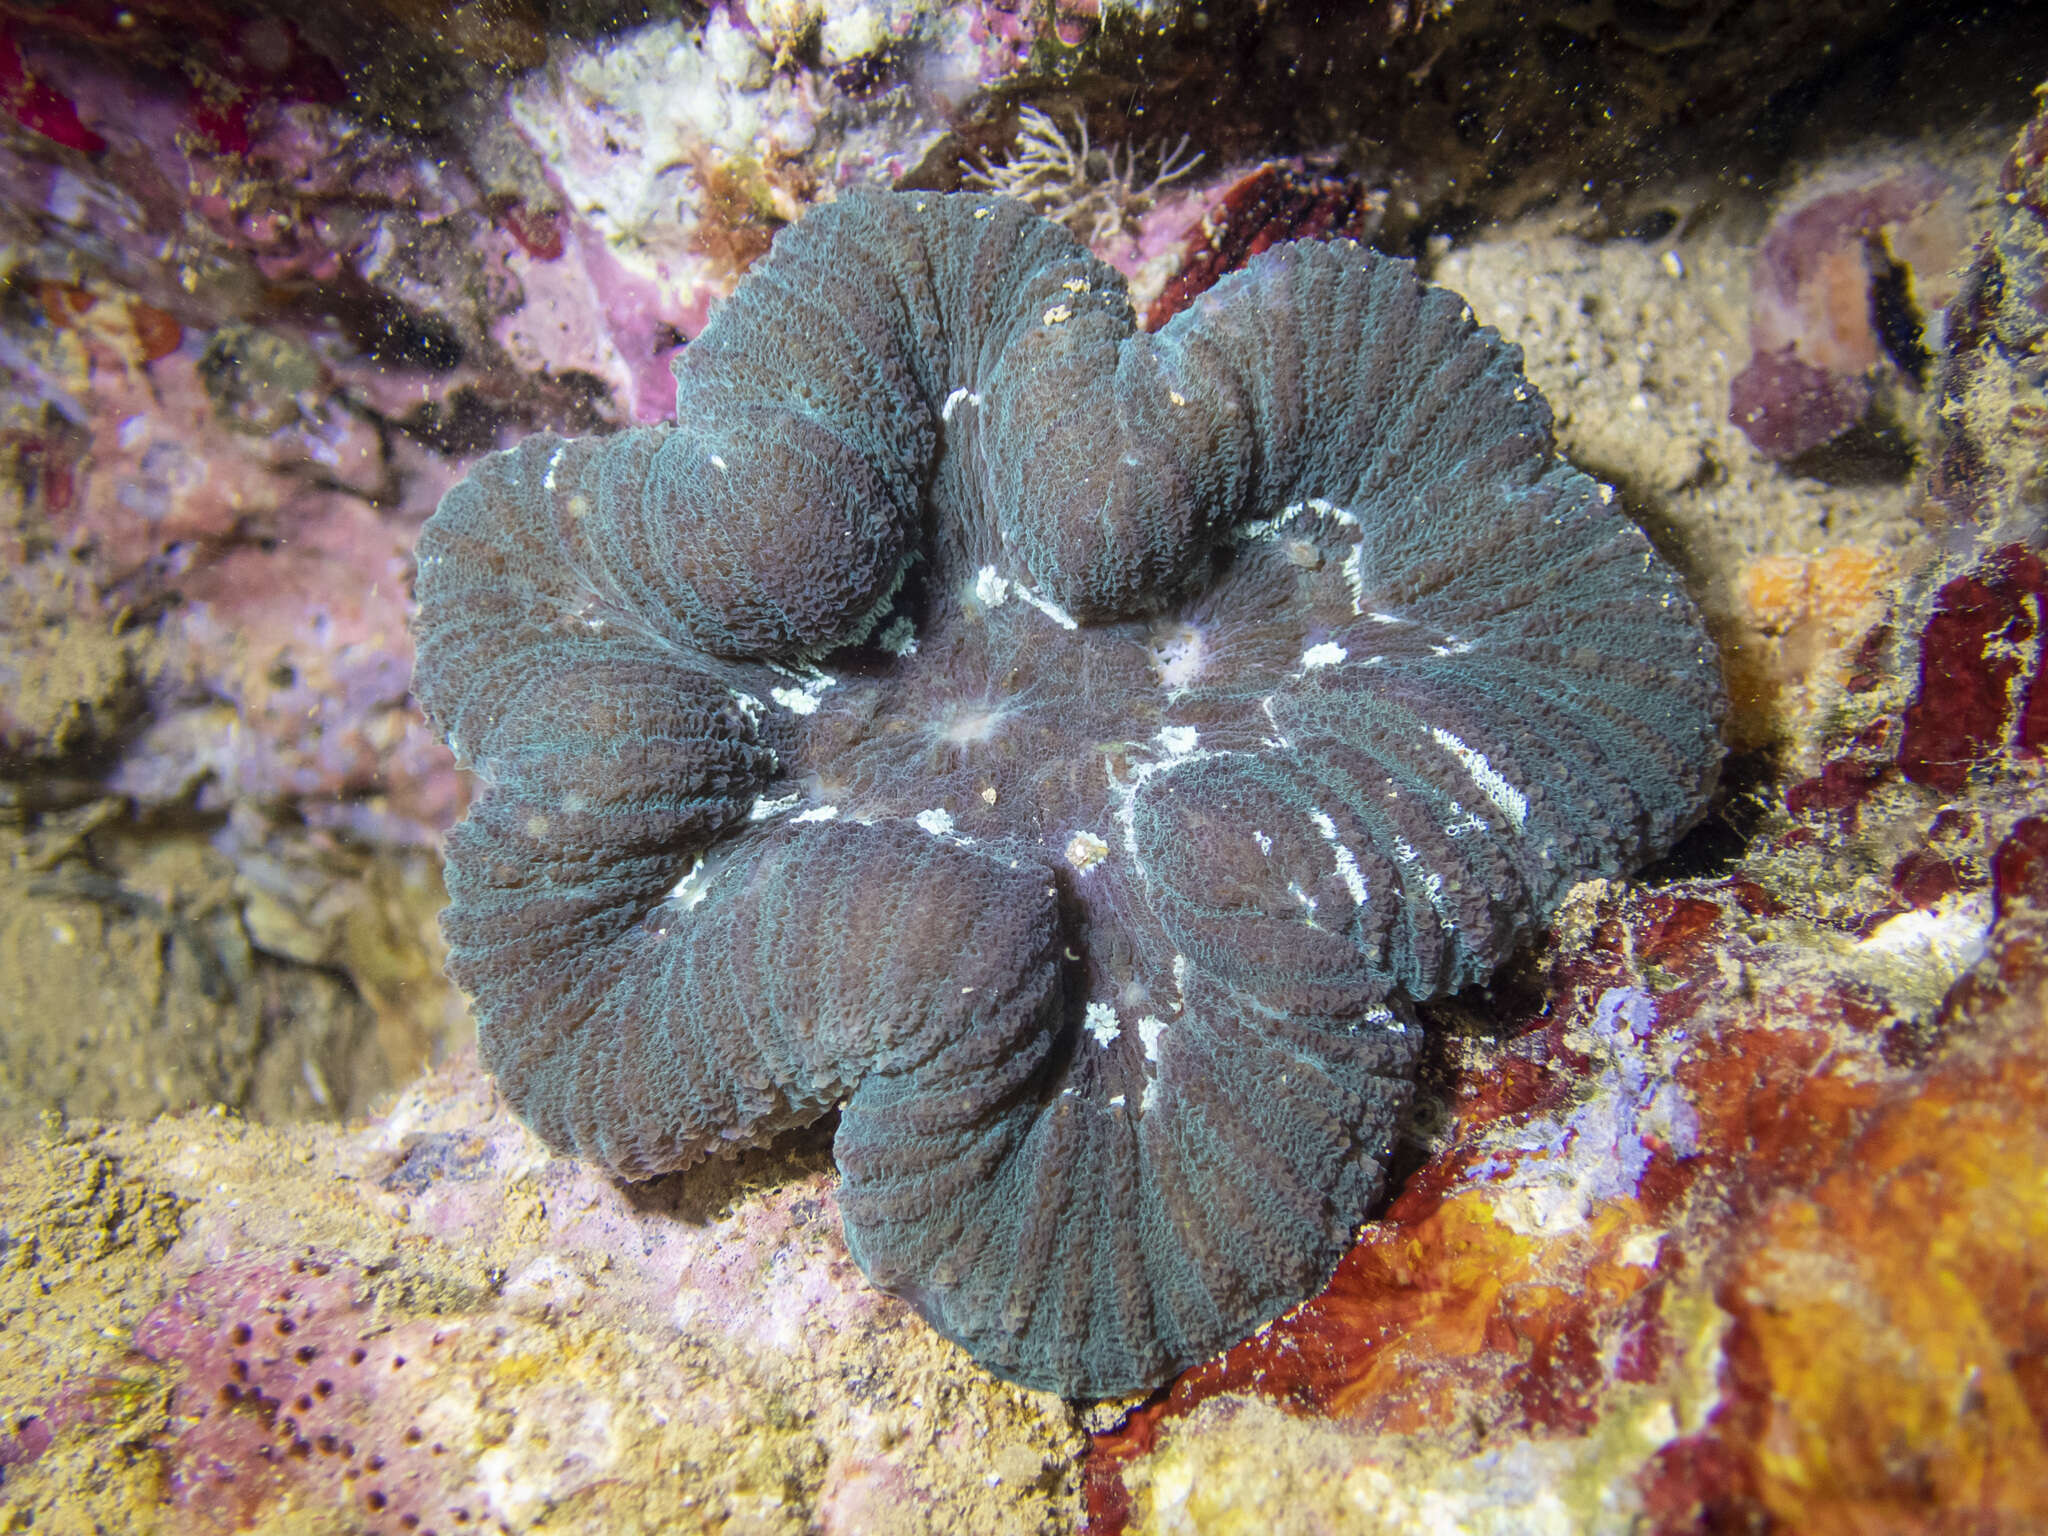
1068,752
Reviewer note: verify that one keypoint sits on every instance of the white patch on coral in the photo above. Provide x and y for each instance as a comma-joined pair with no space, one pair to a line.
990,590
1099,1019
970,724
1347,861
1327,654
763,807
693,887
1265,843
937,821
1385,1018
953,402
1178,657
1048,607
1179,744
803,700
1432,882
1463,821
817,813
547,482
1507,799
750,707
1150,1029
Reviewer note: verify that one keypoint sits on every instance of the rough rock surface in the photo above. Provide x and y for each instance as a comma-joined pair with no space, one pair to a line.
431,1324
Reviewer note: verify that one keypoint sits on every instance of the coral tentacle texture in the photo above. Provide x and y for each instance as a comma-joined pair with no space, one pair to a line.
1068,752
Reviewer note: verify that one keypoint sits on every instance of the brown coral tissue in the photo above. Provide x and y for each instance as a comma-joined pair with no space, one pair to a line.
1070,753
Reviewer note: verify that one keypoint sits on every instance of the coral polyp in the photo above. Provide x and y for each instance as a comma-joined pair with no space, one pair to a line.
1070,753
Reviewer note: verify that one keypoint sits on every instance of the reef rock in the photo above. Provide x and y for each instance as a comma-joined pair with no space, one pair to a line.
427,1324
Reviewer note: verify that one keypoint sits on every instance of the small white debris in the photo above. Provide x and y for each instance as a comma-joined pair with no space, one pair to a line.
798,701
990,590
1176,397
1048,607
818,813
1099,1019
952,404
1117,1102
547,482
693,887
1279,738
1672,263
937,821
1328,654
763,807
1265,843
1058,314
1150,1029
983,213
1076,285
1085,850
719,463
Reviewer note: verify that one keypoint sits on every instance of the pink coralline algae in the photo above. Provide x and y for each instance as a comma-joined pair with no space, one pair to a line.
1069,752
283,1364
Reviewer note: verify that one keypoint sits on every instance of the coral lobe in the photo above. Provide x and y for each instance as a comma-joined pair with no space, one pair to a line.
1069,751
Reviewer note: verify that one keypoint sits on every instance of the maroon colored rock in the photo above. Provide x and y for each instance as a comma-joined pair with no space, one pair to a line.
1273,204
1980,671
